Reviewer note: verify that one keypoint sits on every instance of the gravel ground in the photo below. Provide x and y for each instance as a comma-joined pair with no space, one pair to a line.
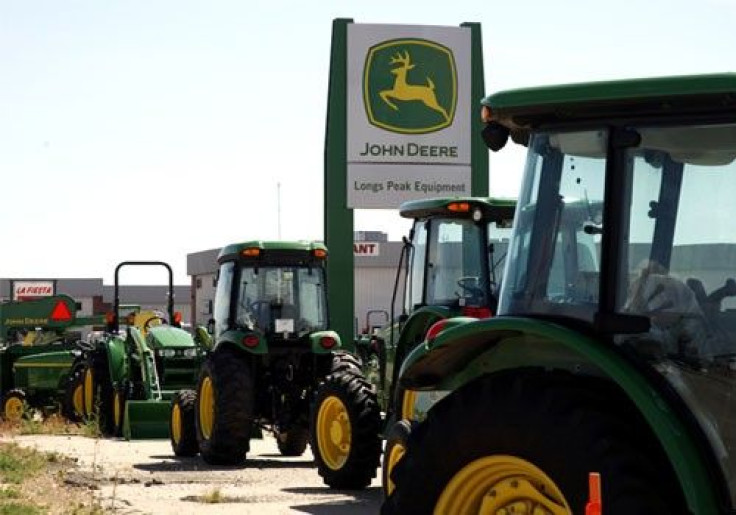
145,477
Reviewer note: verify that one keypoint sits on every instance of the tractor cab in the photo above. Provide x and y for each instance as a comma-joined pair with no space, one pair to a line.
271,290
450,266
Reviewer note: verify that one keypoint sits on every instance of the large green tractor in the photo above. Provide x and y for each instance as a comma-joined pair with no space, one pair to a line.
450,270
131,373
276,365
38,348
608,378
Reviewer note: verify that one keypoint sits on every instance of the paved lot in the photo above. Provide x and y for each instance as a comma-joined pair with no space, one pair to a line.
145,477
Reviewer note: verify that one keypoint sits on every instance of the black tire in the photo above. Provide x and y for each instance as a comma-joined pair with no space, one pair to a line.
396,443
228,439
120,397
294,441
560,424
344,361
14,405
186,442
103,394
73,387
357,400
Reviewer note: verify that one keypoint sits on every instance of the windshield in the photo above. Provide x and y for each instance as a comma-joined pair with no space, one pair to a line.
554,255
282,299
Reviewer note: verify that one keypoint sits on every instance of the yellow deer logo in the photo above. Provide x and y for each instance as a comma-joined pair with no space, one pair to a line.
404,91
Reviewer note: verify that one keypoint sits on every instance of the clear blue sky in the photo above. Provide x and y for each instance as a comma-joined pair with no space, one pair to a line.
145,129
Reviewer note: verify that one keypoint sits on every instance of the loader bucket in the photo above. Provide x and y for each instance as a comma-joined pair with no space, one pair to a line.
146,419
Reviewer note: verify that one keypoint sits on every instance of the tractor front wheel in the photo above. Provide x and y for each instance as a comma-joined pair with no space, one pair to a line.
118,410
73,404
294,441
182,428
224,408
14,405
529,441
345,430
395,450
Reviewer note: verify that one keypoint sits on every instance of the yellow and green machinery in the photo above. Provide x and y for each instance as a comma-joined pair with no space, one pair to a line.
608,378
276,365
130,374
38,349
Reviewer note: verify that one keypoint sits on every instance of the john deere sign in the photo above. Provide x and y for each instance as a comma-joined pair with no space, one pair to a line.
408,113
410,86
402,124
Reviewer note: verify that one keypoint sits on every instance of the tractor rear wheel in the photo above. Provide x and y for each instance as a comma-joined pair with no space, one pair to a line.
98,393
395,450
14,405
294,441
73,404
224,408
345,361
182,430
118,410
345,428
529,440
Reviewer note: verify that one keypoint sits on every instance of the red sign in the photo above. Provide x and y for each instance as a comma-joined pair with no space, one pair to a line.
24,290
61,312
364,248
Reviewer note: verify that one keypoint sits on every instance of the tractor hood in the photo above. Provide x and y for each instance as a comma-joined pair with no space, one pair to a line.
54,359
169,337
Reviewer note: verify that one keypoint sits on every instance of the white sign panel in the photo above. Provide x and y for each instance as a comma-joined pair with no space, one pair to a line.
409,110
30,289
366,248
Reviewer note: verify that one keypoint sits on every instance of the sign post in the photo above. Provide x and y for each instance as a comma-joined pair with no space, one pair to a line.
402,124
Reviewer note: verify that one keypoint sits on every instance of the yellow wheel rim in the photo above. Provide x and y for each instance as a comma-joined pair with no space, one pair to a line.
206,407
394,456
500,485
13,409
89,391
78,399
117,409
176,424
407,404
334,435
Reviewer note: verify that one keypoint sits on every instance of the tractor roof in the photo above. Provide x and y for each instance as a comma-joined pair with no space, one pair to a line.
277,249
494,209
661,97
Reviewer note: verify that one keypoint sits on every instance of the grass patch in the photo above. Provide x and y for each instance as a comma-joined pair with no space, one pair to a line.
9,493
19,508
18,464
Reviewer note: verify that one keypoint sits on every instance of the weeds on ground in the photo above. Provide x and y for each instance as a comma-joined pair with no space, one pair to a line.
214,496
18,463
19,508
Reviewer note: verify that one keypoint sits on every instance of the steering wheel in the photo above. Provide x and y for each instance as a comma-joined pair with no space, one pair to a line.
470,284
147,323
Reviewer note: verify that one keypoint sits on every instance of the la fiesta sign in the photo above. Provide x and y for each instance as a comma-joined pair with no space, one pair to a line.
32,289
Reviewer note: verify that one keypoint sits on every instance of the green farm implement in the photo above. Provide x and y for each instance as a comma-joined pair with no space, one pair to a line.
132,372
37,352
608,377
276,365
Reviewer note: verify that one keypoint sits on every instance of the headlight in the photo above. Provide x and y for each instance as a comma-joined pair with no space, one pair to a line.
167,353
190,353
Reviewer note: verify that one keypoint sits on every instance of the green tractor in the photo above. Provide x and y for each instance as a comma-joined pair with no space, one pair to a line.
37,352
130,375
608,379
276,365
450,270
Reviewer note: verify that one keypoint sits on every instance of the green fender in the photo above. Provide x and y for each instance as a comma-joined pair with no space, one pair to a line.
470,349
234,338
117,359
315,339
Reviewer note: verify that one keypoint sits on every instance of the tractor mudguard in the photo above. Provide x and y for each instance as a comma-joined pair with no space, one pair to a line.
316,340
117,360
236,339
462,353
